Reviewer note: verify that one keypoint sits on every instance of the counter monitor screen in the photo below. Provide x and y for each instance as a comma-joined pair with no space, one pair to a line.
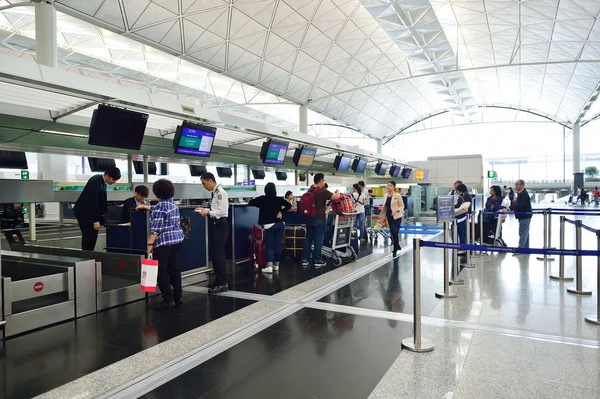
305,156
406,173
395,171
342,163
197,170
273,152
359,165
117,128
381,168
101,164
138,166
13,160
195,140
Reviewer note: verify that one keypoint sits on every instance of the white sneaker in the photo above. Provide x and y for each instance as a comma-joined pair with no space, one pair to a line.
267,270
276,267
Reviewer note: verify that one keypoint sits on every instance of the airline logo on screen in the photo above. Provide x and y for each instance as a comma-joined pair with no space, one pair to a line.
195,142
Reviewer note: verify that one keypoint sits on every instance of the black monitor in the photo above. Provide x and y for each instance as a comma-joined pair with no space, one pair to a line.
101,164
395,171
273,152
304,157
359,165
258,174
302,176
342,162
406,173
138,166
164,169
13,160
224,172
193,139
117,128
381,168
281,176
197,170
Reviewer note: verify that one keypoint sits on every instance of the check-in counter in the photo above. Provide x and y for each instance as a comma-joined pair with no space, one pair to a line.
293,218
131,237
241,218
40,290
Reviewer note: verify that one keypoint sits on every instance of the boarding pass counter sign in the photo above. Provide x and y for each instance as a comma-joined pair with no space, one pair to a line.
445,209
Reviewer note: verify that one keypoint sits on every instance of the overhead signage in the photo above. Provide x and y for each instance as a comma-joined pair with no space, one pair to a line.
445,209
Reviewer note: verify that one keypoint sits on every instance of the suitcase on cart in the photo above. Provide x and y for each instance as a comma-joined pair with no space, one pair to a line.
258,252
294,241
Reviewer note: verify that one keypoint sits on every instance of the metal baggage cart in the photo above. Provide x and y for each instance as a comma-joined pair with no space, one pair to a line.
342,236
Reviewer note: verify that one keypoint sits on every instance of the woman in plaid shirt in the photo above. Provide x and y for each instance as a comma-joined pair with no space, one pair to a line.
165,242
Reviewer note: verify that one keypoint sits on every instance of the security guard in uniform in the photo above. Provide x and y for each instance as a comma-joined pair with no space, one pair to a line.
218,230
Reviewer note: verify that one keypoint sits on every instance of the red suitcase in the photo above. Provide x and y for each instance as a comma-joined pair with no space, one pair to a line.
258,252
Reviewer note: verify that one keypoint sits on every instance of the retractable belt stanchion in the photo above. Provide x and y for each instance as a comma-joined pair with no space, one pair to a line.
595,319
546,246
468,263
446,293
561,259
472,226
481,253
578,290
455,265
416,343
550,257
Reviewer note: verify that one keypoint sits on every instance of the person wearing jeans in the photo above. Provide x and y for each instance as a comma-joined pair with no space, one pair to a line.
315,227
270,214
522,207
359,207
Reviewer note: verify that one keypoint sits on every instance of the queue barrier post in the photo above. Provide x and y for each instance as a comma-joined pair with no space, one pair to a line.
561,259
416,343
455,264
481,253
595,319
446,293
545,257
468,263
578,289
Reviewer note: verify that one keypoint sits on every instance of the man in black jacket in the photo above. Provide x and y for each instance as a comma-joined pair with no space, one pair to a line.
90,208
522,204
139,198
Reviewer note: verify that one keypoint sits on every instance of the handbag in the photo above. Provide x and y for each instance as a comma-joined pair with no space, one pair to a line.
149,274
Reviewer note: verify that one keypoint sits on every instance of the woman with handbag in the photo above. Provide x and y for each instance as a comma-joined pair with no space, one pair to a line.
164,243
393,209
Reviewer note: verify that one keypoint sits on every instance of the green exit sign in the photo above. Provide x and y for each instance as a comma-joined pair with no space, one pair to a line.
491,174
24,175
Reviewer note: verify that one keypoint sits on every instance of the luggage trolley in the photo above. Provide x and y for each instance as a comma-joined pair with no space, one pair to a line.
342,235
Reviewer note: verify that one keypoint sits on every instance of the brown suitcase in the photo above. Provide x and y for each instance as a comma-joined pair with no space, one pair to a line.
294,241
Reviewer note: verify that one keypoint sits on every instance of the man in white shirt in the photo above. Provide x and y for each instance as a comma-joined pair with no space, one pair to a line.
365,193
218,230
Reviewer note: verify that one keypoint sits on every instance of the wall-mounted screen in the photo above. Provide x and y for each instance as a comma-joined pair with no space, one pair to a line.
117,128
419,175
224,172
101,164
138,166
258,174
13,160
197,170
395,171
342,162
359,165
273,152
381,168
282,176
195,140
304,156
406,173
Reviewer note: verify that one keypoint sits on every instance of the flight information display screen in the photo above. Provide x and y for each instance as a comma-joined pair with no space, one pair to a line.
275,152
195,141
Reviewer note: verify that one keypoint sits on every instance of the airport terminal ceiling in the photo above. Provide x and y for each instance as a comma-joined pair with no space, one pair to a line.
377,66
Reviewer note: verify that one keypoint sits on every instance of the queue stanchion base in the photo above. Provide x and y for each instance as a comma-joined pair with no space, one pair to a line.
442,294
457,282
469,265
545,259
593,320
410,345
559,278
583,291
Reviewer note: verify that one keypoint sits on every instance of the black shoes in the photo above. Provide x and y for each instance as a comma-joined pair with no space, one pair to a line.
165,305
218,288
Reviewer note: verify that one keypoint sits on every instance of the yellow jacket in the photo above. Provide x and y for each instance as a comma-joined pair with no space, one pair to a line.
397,208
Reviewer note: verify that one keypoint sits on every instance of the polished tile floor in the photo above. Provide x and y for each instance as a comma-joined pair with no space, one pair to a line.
39,361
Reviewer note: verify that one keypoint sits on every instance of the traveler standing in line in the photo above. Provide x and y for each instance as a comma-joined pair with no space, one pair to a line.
289,197
164,244
218,230
393,209
511,194
596,195
359,207
462,209
365,193
313,203
522,204
90,208
139,198
270,209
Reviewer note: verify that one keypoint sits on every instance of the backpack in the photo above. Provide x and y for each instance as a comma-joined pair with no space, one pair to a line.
308,206
342,205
